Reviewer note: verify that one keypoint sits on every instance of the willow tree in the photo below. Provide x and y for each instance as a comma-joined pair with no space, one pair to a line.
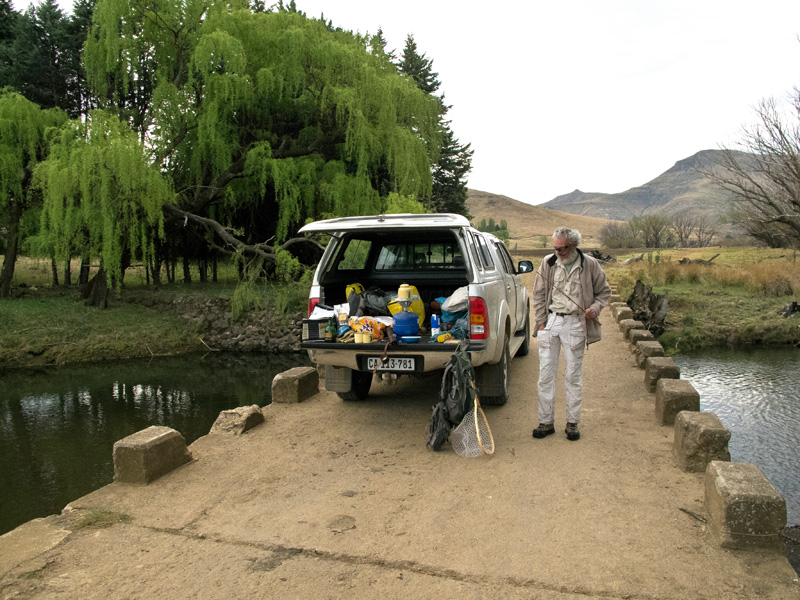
102,197
23,143
261,120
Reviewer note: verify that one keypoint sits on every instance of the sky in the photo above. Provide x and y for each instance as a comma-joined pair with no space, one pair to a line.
590,95
600,96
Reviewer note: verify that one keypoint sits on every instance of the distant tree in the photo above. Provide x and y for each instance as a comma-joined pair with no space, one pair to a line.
418,67
655,230
683,225
449,192
8,28
619,235
765,177
705,230
378,45
24,130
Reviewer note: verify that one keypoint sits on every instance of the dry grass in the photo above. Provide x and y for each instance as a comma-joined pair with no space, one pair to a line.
531,227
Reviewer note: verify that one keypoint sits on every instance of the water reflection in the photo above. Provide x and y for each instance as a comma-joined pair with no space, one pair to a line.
754,393
58,426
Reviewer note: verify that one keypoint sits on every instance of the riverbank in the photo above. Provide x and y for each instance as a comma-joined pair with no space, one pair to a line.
732,301
360,508
43,326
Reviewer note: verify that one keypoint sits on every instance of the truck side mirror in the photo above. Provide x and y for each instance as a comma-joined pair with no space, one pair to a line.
525,266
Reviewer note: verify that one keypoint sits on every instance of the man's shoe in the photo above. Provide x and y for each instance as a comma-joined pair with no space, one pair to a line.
543,430
571,431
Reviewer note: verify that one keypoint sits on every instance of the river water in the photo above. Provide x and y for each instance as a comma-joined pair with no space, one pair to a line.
58,426
755,395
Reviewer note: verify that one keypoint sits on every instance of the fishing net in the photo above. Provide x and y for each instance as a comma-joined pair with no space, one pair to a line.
473,437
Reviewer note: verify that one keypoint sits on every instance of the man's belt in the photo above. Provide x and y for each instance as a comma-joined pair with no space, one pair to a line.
558,314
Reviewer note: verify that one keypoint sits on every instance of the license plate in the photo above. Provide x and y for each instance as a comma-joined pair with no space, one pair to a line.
392,364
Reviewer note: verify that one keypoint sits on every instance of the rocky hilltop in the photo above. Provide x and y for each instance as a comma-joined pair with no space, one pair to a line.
681,188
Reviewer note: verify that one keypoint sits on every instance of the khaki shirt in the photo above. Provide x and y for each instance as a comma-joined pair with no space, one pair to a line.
569,282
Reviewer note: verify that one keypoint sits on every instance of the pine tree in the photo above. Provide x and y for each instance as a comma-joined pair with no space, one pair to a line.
449,193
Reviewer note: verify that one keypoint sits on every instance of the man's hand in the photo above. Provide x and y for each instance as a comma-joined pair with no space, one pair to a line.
590,313
542,326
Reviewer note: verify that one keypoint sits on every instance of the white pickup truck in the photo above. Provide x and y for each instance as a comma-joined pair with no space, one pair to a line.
438,254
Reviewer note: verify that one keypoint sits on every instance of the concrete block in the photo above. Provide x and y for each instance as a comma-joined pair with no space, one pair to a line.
295,385
625,325
700,437
645,349
745,511
622,312
614,297
238,420
148,454
673,396
639,335
659,367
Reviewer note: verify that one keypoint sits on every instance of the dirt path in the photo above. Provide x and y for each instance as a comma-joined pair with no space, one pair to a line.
330,499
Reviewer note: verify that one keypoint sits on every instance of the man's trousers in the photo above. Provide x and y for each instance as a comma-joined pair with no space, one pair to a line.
567,333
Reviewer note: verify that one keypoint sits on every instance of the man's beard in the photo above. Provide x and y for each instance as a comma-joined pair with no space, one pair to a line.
569,259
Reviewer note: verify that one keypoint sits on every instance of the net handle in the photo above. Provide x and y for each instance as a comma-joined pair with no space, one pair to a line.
475,410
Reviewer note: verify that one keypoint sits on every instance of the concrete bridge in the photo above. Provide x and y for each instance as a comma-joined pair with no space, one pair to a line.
327,499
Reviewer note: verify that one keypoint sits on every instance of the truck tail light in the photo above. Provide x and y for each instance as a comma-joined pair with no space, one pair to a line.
478,318
312,302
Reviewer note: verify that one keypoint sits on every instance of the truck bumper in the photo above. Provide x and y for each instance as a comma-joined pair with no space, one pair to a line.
427,356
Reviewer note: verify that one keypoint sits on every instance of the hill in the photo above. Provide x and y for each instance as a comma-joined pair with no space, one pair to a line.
681,188
530,226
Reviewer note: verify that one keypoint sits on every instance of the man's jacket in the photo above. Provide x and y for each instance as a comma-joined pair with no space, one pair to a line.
595,293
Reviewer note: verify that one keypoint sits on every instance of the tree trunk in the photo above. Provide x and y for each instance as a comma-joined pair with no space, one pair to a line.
12,243
95,292
54,270
649,308
83,278
67,273
187,270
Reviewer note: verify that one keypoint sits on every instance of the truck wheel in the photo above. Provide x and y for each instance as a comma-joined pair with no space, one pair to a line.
362,381
498,374
526,343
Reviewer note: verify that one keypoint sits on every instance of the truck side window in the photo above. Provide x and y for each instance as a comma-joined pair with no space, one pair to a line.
486,256
505,257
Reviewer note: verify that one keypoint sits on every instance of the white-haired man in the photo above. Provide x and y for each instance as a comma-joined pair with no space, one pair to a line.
569,292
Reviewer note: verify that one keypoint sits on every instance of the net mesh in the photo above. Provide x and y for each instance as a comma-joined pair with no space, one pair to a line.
473,437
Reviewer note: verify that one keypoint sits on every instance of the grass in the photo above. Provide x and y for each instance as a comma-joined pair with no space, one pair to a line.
99,518
733,301
46,325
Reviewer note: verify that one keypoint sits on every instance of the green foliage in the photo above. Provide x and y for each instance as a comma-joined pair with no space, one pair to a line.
263,113
287,267
102,198
23,126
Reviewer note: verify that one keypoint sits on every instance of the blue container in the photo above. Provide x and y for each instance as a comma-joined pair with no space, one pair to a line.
406,323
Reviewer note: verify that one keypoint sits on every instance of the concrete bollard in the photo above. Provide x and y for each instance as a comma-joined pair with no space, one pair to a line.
639,335
673,396
645,349
238,420
146,455
700,437
622,313
295,385
745,511
659,367
625,325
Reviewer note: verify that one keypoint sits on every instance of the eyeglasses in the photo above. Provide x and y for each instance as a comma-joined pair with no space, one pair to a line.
561,248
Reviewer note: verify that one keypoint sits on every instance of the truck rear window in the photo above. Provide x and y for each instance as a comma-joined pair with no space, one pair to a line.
422,256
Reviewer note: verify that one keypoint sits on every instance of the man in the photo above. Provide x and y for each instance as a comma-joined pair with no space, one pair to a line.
569,292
